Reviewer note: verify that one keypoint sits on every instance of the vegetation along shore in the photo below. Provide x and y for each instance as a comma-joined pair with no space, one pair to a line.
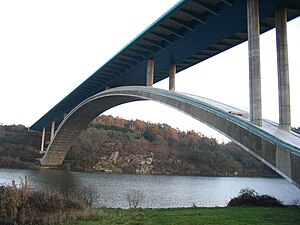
22,205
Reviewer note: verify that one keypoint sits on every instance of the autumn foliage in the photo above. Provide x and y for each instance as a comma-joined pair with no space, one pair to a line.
113,144
135,146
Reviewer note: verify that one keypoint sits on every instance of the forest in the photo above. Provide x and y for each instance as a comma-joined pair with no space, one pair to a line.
113,144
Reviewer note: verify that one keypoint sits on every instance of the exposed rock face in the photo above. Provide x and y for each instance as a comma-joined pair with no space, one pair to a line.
136,163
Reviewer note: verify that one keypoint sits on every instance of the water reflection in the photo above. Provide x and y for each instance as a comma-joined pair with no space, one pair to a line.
160,191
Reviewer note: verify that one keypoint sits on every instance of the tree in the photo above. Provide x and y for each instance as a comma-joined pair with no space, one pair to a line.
134,198
87,194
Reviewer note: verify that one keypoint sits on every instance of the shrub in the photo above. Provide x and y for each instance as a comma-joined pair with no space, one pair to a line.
249,197
22,205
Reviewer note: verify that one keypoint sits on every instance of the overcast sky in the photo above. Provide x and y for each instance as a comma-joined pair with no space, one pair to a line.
48,48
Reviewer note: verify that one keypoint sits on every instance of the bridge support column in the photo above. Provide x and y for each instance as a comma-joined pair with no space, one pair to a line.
150,72
43,140
254,62
283,69
172,73
52,130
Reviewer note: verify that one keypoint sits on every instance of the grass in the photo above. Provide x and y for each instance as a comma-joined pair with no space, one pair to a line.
199,216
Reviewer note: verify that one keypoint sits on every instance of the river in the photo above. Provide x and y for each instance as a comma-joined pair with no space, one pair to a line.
160,191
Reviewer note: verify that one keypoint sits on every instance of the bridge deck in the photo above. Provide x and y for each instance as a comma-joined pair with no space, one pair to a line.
190,32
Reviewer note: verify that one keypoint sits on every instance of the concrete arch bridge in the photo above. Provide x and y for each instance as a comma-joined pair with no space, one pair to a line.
276,147
191,32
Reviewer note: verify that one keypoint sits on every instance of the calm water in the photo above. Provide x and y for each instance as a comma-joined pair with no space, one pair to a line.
161,191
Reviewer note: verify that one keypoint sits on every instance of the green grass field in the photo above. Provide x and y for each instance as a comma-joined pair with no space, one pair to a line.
190,216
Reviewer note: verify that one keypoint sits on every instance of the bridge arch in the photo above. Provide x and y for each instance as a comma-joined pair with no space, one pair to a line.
277,148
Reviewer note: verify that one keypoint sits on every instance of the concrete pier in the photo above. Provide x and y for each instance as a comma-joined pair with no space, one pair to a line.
172,73
52,130
254,62
150,72
43,140
283,69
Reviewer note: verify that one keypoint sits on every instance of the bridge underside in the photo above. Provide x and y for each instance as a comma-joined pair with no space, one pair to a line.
189,33
276,147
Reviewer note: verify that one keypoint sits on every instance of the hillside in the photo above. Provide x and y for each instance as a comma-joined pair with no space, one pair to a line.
111,144
18,147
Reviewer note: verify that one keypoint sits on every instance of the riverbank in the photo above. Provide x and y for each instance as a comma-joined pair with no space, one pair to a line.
162,198
217,216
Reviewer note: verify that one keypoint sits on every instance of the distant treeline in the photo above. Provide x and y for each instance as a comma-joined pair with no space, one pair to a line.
112,144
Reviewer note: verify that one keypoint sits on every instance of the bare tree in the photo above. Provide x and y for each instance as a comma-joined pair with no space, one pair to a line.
134,198
88,194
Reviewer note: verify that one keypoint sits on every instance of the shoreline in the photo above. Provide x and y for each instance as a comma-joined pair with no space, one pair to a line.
150,174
